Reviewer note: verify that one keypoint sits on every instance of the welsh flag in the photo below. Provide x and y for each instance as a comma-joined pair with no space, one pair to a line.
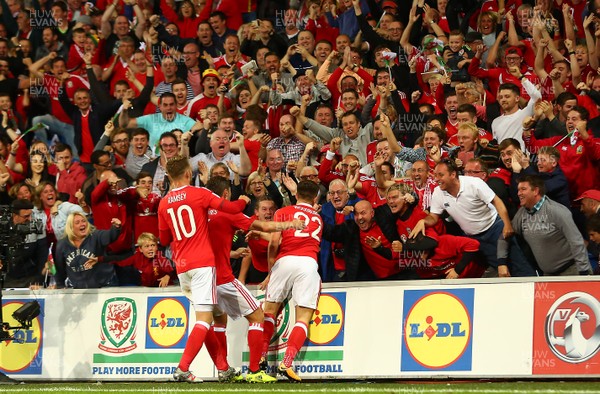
50,262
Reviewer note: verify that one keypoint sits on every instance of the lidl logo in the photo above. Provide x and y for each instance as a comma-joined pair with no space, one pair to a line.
438,330
167,323
23,355
327,324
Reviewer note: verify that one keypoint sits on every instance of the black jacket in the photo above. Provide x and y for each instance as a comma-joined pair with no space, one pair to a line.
100,114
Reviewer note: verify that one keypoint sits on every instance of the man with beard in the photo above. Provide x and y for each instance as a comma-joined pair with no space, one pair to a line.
510,123
422,183
156,124
474,213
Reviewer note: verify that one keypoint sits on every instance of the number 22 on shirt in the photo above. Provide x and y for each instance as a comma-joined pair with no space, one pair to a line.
305,232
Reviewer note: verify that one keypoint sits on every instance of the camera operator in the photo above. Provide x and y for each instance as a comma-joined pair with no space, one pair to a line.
23,252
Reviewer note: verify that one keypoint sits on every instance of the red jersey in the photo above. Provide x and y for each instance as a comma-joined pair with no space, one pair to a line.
145,219
405,227
300,242
225,225
382,267
200,102
259,248
106,206
448,253
183,223
151,270
370,192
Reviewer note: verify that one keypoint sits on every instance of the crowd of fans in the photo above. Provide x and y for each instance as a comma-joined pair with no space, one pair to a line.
398,110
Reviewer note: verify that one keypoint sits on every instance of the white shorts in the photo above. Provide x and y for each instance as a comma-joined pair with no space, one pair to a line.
236,300
199,286
297,275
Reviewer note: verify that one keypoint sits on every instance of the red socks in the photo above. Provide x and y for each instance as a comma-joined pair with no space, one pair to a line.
194,344
255,345
268,330
294,343
217,354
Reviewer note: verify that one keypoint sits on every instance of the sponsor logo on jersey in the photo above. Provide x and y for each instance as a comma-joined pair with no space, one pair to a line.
23,355
327,324
438,330
167,323
118,325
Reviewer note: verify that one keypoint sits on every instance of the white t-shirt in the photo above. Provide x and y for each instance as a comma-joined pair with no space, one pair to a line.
471,208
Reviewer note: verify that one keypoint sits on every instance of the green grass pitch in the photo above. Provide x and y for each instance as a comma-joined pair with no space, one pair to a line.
532,387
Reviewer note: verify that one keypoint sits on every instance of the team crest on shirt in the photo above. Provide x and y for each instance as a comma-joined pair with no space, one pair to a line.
69,84
580,149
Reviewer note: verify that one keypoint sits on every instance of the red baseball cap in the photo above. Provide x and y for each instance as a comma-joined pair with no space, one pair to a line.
388,4
593,194
513,50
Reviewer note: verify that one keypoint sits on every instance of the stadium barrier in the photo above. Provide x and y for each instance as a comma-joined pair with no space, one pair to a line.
460,329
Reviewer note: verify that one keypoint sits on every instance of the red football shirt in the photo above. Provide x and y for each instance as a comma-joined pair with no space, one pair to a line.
259,248
300,242
382,267
225,225
183,223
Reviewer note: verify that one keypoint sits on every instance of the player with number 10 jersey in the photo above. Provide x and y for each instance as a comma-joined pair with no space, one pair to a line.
183,212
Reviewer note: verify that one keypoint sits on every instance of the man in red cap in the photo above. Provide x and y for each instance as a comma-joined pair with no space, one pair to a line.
590,202
212,87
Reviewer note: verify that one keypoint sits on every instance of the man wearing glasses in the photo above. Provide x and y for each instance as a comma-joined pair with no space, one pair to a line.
169,148
337,210
24,265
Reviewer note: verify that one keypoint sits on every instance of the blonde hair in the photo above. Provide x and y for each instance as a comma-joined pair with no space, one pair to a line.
69,232
251,178
146,237
469,126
